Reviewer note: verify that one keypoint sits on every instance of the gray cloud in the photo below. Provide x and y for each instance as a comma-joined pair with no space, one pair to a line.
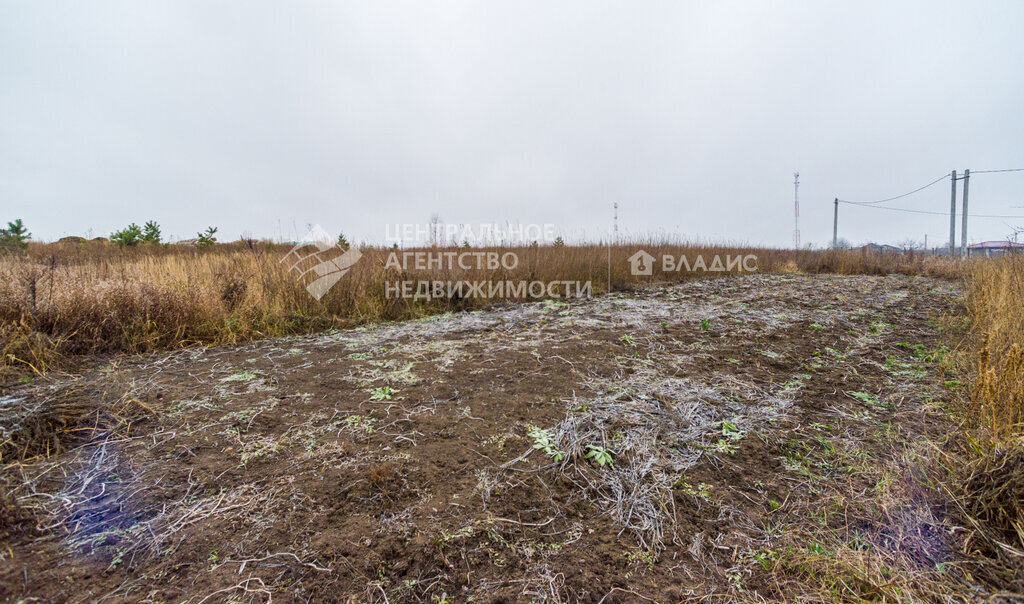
692,116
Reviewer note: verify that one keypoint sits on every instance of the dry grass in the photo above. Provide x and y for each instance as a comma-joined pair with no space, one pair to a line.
988,469
62,300
995,303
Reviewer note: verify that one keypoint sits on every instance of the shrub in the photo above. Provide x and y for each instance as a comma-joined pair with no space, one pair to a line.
128,236
151,232
15,236
206,238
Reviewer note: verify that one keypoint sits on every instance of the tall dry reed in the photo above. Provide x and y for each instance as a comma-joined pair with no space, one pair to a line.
87,298
995,305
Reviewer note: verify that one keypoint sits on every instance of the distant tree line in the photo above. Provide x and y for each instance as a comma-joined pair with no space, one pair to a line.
150,232
15,235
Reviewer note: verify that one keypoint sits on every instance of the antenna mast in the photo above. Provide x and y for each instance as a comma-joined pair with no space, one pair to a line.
796,210
616,222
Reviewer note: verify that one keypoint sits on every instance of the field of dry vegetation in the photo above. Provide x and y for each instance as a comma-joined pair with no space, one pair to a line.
182,424
62,300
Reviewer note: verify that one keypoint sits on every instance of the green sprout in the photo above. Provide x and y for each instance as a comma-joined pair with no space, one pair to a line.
600,455
865,397
729,430
542,441
385,393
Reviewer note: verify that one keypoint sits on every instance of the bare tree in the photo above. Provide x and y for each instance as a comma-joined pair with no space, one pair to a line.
909,244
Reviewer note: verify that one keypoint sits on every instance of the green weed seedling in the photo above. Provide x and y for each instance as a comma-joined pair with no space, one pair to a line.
705,325
878,327
825,444
871,399
729,430
702,491
766,559
817,548
905,370
865,397
360,423
628,340
600,455
549,305
816,326
934,355
723,446
794,384
385,393
542,441
646,558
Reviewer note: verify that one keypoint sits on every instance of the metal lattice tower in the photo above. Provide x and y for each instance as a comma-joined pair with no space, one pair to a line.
796,210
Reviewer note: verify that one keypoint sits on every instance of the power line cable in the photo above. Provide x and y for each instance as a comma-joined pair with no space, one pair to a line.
854,203
994,171
934,182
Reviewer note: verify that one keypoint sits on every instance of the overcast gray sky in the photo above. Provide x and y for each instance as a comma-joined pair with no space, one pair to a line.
256,116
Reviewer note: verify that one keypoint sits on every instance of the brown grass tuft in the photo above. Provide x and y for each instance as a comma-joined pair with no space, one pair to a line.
994,494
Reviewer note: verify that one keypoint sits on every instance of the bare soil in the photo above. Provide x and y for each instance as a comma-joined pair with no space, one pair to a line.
397,463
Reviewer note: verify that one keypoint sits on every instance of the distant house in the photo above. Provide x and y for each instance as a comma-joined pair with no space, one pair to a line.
995,248
875,248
